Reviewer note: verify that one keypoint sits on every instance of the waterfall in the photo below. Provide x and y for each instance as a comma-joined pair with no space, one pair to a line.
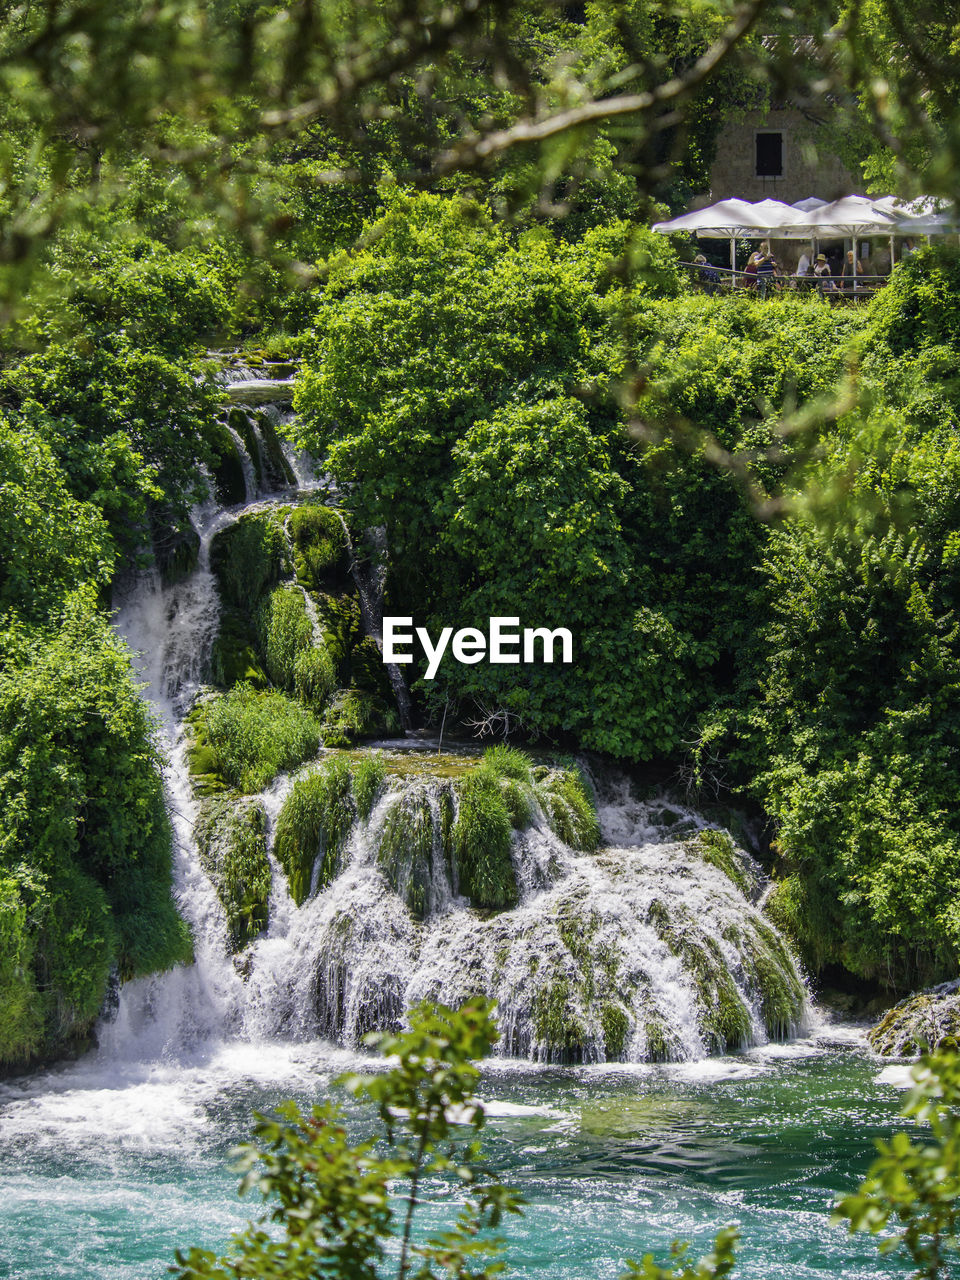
371,579
634,934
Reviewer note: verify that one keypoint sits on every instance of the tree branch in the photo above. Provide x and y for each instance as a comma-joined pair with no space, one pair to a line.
474,151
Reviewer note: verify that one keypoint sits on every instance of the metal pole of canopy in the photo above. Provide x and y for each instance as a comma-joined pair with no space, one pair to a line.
854,262
733,257
892,249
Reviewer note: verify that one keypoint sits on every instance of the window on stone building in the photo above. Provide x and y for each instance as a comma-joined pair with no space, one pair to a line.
769,155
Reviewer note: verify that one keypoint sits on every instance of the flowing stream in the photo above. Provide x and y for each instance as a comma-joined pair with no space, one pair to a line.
651,951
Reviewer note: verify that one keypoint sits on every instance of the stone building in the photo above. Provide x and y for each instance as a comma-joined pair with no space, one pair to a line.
774,154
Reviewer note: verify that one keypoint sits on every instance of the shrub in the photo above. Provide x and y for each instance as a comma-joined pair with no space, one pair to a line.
21,1019
253,735
83,825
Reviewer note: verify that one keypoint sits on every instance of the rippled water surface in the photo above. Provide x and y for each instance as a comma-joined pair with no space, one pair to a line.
105,1169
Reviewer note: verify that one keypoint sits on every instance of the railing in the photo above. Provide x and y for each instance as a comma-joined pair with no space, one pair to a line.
711,279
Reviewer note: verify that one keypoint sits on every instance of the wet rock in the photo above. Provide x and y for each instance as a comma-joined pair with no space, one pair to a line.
927,1019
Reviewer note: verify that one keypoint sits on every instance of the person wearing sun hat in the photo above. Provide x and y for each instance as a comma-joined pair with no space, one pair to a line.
821,269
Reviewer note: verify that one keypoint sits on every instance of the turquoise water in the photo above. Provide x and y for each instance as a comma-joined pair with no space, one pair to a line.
106,1168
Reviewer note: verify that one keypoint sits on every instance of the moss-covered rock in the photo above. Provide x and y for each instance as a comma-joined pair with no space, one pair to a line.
405,851
226,467
717,849
320,552
723,1020
560,794
616,1026
313,824
235,658
245,737
368,670
284,632
232,845
353,714
482,843
926,1020
277,472
369,773
569,806
249,557
773,978
242,423
557,1022
341,624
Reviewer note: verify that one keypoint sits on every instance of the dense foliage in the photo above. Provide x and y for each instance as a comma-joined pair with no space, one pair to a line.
744,510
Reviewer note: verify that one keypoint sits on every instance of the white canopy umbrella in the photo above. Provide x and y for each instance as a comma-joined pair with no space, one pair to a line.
853,216
728,219
811,202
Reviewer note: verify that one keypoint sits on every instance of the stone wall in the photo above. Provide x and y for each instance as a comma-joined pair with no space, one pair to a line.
808,170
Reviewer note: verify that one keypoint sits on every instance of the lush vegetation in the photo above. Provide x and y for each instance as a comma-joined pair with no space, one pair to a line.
745,510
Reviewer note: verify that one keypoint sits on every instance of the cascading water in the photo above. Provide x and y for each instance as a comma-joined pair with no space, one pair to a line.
649,947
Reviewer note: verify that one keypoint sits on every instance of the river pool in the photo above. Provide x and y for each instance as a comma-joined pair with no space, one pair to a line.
105,1168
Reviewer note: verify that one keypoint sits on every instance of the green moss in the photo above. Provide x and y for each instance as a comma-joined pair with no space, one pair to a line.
320,551
615,1023
314,676
368,672
661,1045
482,843
406,846
277,473
724,1020
556,1024
249,557
232,845
284,632
355,714
774,979
368,776
314,823
226,468
717,848
569,808
248,737
341,624
235,659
